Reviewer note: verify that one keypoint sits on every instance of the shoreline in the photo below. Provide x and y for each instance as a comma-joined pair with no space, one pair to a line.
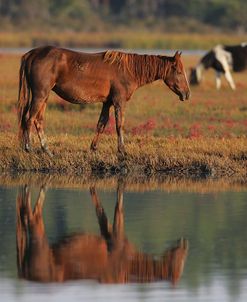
132,183
146,156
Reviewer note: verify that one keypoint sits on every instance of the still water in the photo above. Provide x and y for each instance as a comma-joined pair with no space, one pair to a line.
122,244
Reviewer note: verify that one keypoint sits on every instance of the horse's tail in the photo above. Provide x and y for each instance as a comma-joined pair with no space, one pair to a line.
24,99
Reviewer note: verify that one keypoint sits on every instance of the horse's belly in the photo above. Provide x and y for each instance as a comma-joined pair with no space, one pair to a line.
81,94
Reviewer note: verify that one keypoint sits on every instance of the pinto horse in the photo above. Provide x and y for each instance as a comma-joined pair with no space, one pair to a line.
107,258
109,77
223,59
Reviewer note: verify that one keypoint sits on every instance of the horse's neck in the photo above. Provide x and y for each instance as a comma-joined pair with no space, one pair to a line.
148,68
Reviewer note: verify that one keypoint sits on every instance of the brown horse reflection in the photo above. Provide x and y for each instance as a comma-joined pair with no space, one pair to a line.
108,258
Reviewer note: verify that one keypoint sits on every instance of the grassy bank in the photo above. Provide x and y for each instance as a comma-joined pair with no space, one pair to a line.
145,155
119,39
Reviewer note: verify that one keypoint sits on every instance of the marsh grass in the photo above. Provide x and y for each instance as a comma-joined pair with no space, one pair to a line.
203,136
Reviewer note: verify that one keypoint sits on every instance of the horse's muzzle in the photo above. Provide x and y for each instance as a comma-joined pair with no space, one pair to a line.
184,96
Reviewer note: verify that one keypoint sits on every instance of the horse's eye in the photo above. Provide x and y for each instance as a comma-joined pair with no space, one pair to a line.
178,72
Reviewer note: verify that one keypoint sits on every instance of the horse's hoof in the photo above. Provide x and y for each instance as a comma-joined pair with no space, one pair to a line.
92,190
93,147
48,152
122,154
27,148
43,188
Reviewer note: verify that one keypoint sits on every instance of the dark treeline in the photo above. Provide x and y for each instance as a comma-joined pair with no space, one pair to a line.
93,15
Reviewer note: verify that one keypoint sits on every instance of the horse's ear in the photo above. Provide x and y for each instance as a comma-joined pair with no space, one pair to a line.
177,54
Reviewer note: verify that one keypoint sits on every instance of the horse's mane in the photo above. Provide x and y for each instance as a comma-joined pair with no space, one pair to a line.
116,57
147,268
141,67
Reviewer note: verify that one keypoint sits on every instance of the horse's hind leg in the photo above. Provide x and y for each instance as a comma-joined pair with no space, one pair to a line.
105,227
39,124
103,119
36,106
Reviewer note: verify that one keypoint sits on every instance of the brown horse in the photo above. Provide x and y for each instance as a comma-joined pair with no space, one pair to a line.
109,258
109,77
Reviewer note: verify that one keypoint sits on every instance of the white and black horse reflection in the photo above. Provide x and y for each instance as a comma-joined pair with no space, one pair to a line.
223,59
107,258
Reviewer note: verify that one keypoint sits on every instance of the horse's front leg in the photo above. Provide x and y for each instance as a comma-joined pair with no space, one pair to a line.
218,80
119,115
118,224
105,227
103,120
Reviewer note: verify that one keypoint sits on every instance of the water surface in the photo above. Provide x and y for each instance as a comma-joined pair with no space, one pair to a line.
200,237
22,50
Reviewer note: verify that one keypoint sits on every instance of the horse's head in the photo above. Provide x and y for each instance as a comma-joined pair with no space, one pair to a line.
193,77
174,260
176,78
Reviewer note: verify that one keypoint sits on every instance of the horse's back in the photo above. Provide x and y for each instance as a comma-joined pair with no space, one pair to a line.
239,56
39,53
51,54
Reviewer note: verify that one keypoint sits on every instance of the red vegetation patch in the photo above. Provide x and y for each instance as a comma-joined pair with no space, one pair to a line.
245,123
211,127
195,131
4,124
167,123
177,126
226,134
209,103
229,123
148,126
